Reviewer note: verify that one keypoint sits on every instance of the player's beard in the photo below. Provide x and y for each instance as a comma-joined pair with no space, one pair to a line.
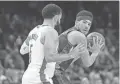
57,26
58,23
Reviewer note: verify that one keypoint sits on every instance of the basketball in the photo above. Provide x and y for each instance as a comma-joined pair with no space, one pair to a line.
94,34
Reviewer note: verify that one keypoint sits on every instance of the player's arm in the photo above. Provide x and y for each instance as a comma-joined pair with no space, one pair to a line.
88,60
75,38
50,48
25,46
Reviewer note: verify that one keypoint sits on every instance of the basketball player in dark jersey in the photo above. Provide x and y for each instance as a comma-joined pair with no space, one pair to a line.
72,37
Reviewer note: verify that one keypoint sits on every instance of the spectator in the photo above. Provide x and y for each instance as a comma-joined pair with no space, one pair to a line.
85,81
105,60
115,80
8,63
14,61
2,39
2,76
10,43
6,81
18,42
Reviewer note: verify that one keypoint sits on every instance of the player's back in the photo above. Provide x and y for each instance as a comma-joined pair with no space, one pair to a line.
35,48
38,67
36,45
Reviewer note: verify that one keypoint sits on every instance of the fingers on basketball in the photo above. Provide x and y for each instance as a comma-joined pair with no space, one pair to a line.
96,38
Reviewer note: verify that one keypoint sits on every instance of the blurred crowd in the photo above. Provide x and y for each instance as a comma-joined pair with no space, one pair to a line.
15,27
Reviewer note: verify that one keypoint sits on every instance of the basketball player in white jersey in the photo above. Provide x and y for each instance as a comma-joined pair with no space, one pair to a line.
41,44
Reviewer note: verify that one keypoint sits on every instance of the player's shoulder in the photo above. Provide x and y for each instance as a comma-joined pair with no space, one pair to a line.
33,30
36,30
75,37
47,29
52,31
76,34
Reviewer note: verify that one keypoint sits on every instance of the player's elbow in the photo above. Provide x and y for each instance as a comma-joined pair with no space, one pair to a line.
49,58
87,65
24,50
21,52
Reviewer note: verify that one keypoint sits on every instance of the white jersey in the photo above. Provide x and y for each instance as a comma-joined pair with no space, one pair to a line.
38,69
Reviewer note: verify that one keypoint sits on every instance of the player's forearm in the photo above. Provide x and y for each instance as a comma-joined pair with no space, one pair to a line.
87,59
93,58
59,57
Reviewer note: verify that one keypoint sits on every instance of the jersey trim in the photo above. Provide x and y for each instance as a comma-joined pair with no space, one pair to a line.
42,71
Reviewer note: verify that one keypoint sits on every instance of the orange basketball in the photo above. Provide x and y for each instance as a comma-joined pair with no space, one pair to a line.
94,34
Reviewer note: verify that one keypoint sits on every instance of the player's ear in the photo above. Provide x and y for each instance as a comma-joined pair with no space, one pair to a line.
55,18
76,22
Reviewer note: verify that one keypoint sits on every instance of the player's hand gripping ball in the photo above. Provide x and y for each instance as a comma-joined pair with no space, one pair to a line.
100,37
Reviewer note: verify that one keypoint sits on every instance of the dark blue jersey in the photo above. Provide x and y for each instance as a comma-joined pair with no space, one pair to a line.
64,47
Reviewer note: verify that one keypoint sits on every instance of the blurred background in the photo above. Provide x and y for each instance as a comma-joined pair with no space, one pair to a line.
17,18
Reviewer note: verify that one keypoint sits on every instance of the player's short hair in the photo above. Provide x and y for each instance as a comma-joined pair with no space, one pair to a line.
50,10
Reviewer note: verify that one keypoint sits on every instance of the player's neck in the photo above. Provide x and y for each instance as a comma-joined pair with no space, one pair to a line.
48,22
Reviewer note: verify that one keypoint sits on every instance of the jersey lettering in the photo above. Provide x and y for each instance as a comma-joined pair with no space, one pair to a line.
27,40
33,36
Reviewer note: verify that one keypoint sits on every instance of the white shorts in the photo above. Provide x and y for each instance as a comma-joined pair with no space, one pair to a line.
32,77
